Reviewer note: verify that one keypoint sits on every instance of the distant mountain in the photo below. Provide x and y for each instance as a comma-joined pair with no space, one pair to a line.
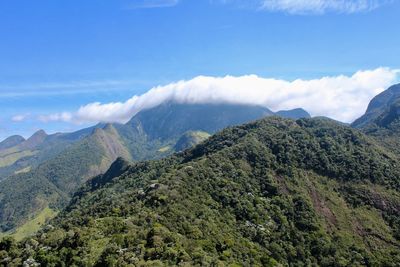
171,120
297,113
378,105
382,119
11,141
46,170
51,183
275,192
390,116
25,155
330,119
35,140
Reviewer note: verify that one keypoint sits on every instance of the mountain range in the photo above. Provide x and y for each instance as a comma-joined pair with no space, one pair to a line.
213,185
41,173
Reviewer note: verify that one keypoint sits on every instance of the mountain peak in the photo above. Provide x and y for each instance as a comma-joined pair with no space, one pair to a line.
173,119
36,139
39,133
378,105
387,97
296,113
11,141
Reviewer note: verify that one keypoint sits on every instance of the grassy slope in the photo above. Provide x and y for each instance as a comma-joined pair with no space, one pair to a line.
310,192
66,172
28,194
190,139
33,225
9,159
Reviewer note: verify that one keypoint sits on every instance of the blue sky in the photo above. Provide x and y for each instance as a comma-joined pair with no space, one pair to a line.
56,56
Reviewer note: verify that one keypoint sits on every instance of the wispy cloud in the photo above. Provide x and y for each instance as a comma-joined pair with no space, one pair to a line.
140,4
340,97
311,7
20,117
63,88
63,116
320,6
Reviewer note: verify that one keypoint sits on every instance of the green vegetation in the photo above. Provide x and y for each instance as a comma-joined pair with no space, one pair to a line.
10,159
276,191
11,141
33,225
190,139
297,113
61,163
31,189
24,196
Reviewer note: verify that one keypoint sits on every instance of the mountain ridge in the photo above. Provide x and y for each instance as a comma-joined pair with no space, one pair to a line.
11,141
377,105
274,191
66,161
296,113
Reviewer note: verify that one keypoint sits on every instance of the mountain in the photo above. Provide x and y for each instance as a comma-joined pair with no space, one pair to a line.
190,139
382,119
47,169
11,141
297,113
378,105
26,155
51,184
269,193
171,120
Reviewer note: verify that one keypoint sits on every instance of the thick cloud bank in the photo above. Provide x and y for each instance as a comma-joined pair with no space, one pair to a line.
343,98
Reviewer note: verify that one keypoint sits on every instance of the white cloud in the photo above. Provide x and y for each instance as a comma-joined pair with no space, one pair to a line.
66,88
320,6
306,7
339,97
63,116
20,117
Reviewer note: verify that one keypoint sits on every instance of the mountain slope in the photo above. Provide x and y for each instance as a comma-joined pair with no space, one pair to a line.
274,191
297,113
382,119
11,141
65,161
171,120
52,182
378,105
190,139
40,147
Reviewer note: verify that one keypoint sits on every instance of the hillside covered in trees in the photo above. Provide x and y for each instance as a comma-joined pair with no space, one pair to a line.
275,191
45,170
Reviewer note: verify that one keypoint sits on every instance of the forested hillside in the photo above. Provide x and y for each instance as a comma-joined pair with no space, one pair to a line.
42,172
276,191
18,155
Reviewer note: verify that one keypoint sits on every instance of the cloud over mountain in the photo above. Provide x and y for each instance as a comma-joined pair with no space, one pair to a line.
340,97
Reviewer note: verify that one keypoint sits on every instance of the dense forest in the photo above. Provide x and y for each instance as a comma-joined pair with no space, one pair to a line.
45,170
275,191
